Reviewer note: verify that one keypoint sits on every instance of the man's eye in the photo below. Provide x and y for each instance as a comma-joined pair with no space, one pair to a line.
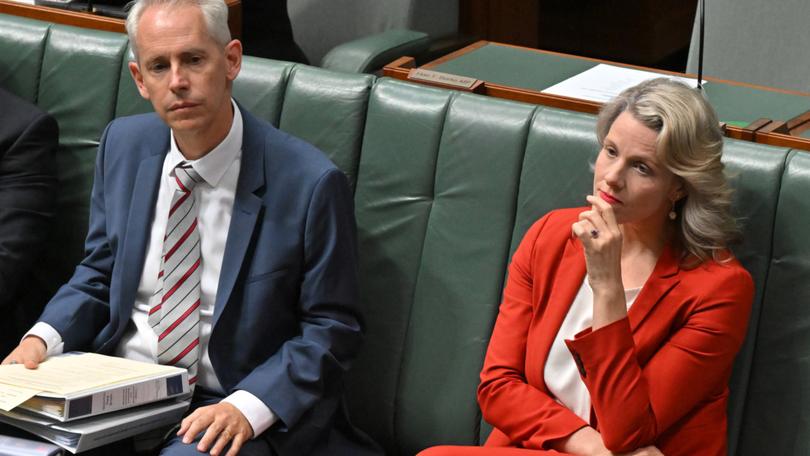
157,67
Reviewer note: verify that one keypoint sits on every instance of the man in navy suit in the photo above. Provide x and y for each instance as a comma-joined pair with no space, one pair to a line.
275,279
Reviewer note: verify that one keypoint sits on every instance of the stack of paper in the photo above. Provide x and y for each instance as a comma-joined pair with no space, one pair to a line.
81,401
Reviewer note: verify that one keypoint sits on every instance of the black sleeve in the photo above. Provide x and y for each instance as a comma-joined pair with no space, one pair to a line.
27,197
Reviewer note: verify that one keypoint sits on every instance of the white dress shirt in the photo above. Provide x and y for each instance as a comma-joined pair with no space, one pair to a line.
214,197
561,374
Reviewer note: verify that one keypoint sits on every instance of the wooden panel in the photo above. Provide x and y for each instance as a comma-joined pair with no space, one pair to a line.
97,22
653,33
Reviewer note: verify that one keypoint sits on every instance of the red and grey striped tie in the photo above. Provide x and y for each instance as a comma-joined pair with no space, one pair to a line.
175,316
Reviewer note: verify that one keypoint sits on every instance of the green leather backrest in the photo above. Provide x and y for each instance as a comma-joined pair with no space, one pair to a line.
328,109
435,203
261,85
778,398
129,101
20,66
756,173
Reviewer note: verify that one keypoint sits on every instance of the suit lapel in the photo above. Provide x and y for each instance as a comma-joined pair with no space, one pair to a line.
663,278
246,208
571,273
139,220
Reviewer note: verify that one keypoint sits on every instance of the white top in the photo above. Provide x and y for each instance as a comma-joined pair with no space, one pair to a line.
214,197
560,373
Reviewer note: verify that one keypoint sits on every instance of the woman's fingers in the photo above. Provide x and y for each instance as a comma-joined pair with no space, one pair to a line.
605,211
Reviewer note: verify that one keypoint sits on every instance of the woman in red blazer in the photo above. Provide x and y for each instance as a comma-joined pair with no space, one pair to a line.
620,321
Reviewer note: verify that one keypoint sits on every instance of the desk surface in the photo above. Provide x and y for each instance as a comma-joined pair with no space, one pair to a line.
753,113
537,70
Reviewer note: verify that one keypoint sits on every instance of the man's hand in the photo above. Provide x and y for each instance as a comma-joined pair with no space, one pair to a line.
31,351
222,423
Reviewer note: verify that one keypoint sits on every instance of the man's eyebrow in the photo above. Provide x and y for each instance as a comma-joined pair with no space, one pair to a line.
194,51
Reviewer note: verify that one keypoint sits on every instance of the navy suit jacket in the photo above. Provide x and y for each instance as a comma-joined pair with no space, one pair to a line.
285,324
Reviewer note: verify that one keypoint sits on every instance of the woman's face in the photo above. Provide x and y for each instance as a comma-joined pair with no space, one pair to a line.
629,176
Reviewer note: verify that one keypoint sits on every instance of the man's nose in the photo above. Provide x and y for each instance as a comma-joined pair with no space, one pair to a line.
179,81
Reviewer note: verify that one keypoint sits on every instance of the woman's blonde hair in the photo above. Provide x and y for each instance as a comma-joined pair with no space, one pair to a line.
690,145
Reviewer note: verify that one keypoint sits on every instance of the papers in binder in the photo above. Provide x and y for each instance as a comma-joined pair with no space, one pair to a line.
74,386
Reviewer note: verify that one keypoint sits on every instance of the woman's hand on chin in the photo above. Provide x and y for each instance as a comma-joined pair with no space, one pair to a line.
601,239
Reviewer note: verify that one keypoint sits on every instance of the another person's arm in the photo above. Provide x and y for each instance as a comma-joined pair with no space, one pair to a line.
80,308
27,194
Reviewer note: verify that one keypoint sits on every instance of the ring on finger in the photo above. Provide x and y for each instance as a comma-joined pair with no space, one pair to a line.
594,233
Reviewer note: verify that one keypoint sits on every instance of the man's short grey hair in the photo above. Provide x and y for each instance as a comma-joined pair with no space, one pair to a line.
215,14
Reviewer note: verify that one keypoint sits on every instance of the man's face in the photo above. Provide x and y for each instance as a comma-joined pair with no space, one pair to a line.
185,73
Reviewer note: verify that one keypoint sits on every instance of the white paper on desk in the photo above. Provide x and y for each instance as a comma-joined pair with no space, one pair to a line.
603,82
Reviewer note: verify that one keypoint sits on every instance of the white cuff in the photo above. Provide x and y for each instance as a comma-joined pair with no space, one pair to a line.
257,412
53,340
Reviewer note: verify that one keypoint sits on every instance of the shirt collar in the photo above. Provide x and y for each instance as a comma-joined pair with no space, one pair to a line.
213,165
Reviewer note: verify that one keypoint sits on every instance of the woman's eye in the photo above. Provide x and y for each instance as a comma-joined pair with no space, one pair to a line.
610,152
642,168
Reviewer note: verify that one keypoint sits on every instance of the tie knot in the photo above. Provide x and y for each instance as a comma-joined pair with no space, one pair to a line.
186,177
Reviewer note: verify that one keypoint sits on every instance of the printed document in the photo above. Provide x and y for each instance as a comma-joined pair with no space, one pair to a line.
603,82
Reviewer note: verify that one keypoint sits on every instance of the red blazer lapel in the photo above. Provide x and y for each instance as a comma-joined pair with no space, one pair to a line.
570,274
662,279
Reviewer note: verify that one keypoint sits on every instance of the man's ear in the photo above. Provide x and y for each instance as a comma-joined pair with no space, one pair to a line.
233,58
137,76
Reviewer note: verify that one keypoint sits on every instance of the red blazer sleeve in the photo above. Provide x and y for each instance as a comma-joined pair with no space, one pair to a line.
525,413
634,405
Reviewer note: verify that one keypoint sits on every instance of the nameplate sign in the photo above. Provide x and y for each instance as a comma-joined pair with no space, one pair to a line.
444,79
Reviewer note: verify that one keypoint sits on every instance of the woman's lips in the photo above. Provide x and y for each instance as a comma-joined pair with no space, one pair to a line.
609,198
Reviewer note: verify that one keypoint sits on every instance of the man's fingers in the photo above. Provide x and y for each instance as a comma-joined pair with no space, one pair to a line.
236,445
184,425
196,425
211,434
222,441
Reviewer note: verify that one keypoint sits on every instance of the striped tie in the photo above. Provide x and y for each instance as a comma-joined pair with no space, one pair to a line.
175,315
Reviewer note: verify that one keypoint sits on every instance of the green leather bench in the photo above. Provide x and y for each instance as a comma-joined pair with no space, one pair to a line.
445,186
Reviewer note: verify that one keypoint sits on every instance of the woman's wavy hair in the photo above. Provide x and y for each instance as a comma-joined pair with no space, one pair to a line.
215,14
690,145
